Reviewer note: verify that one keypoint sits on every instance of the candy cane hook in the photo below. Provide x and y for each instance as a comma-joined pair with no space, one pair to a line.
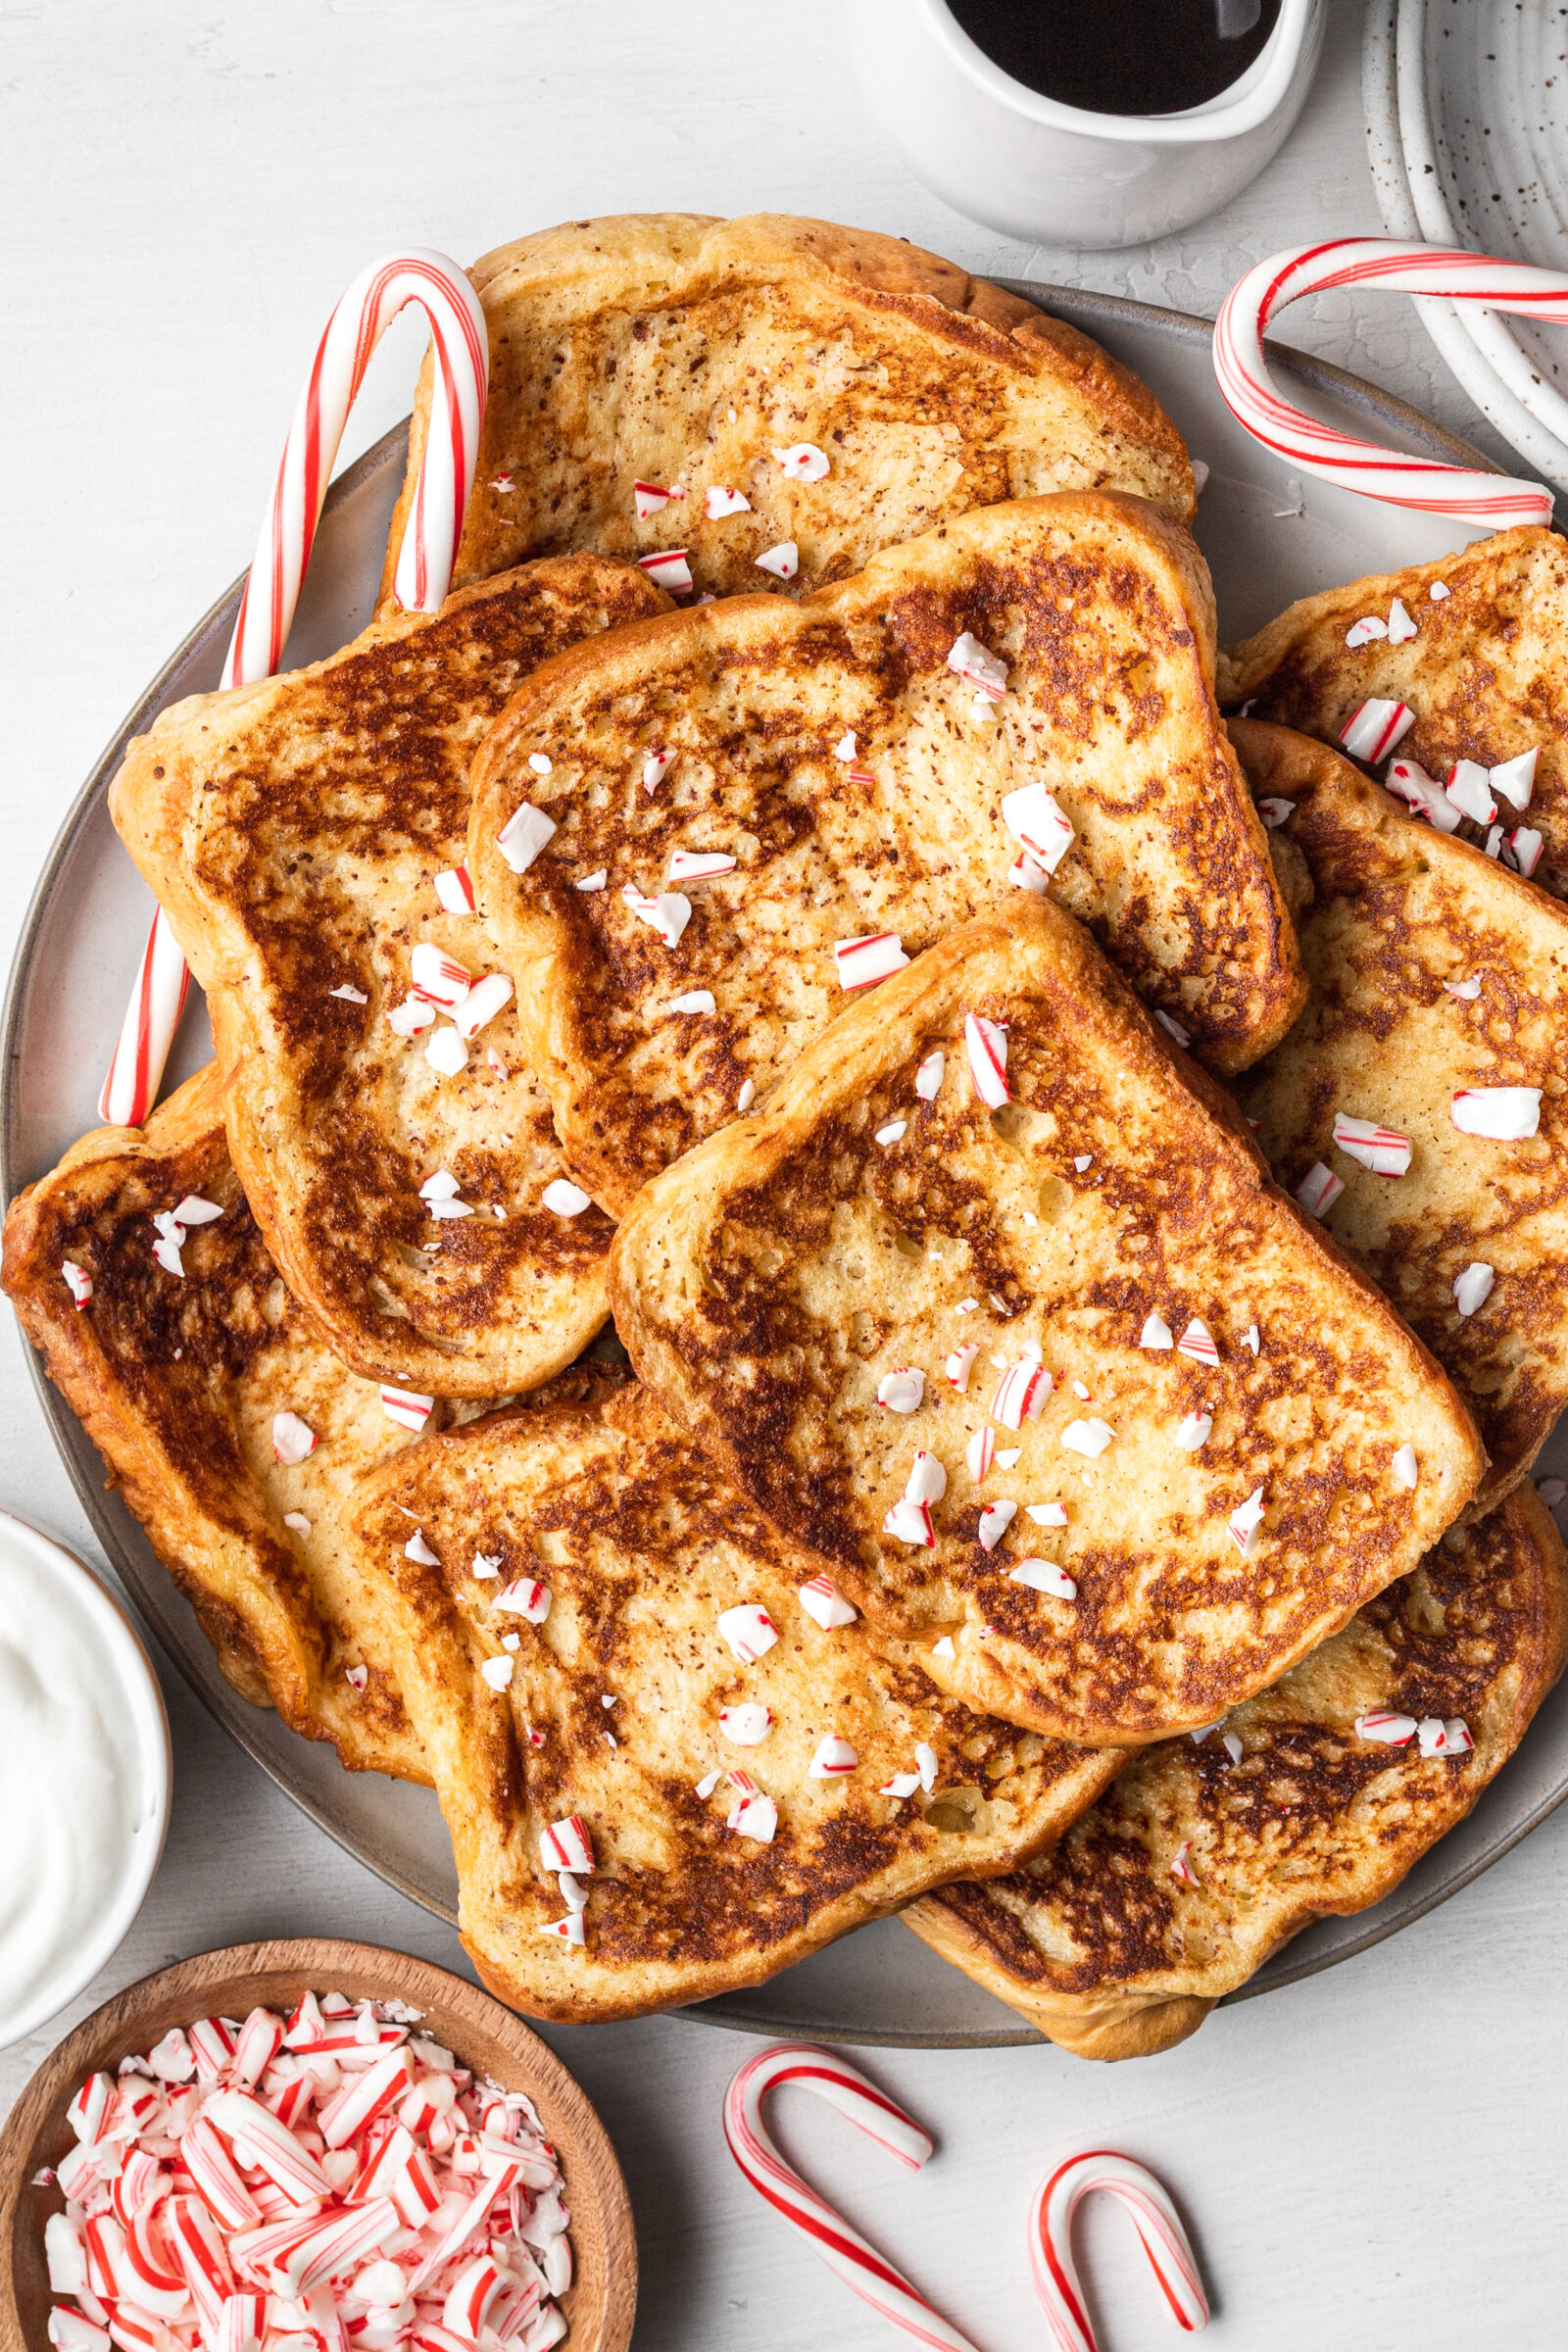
425,559
1155,2218
843,2249
1249,393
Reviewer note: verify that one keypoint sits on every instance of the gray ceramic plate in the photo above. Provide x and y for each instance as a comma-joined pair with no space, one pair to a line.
1267,540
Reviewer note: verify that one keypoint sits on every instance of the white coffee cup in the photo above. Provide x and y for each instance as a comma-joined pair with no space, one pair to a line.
1055,174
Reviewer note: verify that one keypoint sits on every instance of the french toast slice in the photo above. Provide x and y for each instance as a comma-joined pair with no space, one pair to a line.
912,1319
177,1377
654,351
632,1708
1471,1242
1476,653
1206,1856
835,779
307,836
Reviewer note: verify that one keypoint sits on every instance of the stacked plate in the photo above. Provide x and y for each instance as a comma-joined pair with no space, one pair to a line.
1465,115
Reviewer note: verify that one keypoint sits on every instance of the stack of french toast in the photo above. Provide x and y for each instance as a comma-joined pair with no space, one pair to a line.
1081,1186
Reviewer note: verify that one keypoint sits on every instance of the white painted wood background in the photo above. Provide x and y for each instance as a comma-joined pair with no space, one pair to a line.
1369,2159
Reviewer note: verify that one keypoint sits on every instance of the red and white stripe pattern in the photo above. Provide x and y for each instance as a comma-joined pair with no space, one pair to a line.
425,558
857,2263
1160,2232
1490,500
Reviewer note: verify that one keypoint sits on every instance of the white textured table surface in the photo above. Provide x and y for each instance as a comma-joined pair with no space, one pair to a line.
1373,2157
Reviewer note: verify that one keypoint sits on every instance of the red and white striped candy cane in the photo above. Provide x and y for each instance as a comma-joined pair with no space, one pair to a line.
1334,456
1164,2241
425,558
842,2248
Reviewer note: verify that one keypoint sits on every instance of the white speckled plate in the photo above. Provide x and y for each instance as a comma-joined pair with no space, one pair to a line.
1268,539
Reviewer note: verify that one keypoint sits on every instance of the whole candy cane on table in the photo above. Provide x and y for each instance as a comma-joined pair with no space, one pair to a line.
425,558
842,2248
1164,2241
1382,262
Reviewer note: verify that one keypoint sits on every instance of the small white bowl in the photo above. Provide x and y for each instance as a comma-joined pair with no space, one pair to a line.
142,1728
1057,174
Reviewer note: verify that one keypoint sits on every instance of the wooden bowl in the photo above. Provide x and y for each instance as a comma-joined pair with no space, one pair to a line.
601,2300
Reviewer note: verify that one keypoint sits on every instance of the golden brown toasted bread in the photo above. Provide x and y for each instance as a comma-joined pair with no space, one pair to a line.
1482,670
859,785
177,1378
1206,1857
681,352
624,1707
296,832
1401,915
1195,1501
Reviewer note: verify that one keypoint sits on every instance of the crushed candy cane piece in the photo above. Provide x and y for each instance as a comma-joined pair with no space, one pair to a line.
524,1597
656,768
844,749
1386,1729
1469,790
929,1076
1043,1576
1373,729
1439,590
755,1816
901,1391
825,1605
410,1016
1182,1865
78,1281
1194,1430
748,1629
668,570
1382,1150
523,835
1251,1338
1024,874
566,1846
1402,628
293,1440
1409,780
694,1000
1319,1189
454,886
986,1043
718,501
1404,1468
350,996
1525,846
911,1523
439,978
833,1759
901,1784
1090,1437
927,1481
699,865
668,913
1048,1514
541,763
1506,1115
564,1199
649,498
1156,1333
979,1453
498,1672
447,1052
1367,631
1275,812
167,1253
594,881
1021,1394
995,1521
1197,1342
783,561
893,1133
405,1407
802,462
747,1724
959,1365
862,962
1515,779
1034,819
983,669
747,1095
481,1004
1473,1288
1245,1522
